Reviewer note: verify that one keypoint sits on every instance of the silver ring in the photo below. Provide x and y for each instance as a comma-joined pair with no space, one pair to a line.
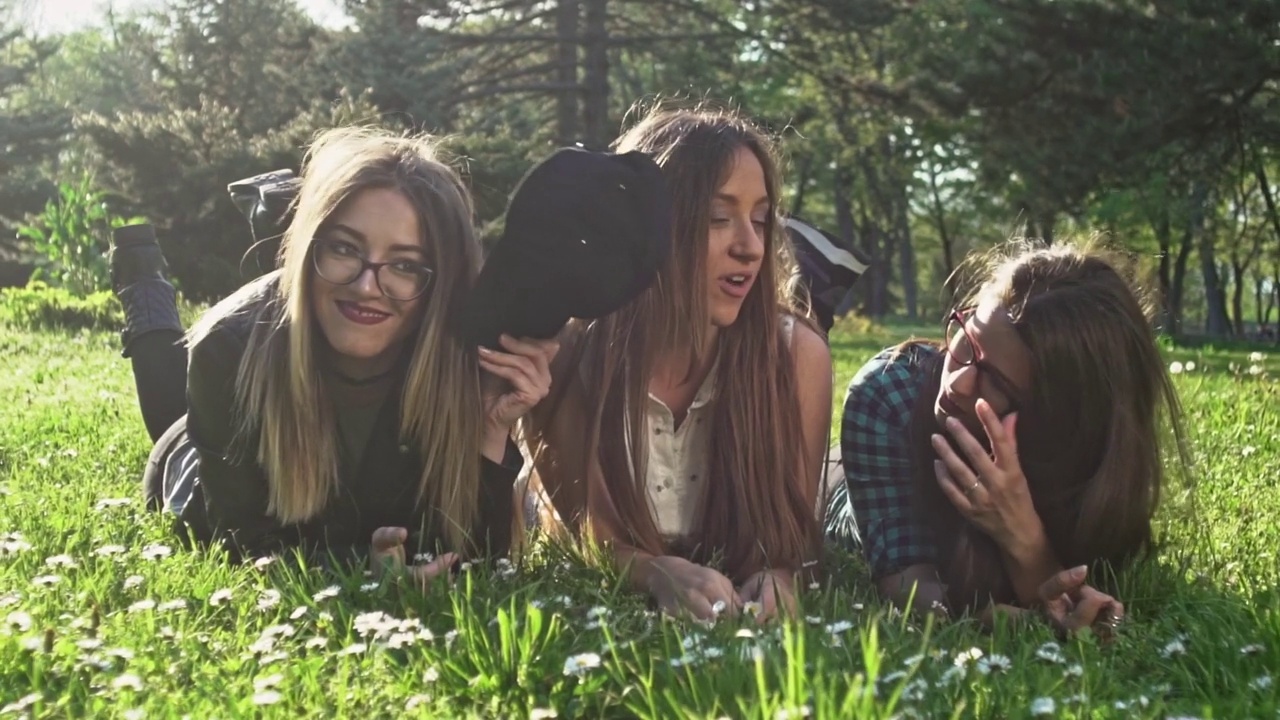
972,487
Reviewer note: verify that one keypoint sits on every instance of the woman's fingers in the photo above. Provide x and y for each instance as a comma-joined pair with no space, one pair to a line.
979,459
951,488
955,466
388,538
434,569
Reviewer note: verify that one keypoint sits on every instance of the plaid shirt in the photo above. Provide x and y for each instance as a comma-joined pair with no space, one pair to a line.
875,449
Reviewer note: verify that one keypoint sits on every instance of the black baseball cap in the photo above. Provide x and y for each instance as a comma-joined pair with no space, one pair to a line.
585,233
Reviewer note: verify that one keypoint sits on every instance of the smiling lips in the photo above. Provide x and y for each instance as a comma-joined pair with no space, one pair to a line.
736,285
360,314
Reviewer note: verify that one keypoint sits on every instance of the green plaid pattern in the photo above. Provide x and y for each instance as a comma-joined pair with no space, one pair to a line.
875,450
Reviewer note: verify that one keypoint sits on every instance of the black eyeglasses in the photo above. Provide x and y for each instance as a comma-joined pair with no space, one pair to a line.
964,351
342,263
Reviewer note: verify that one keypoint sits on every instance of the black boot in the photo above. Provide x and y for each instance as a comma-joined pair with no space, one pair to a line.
137,276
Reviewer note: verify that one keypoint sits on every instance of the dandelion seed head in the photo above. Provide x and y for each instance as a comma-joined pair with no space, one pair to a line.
1191,366
1175,368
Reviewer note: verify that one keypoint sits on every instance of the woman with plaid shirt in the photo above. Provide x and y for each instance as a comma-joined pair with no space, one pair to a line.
1030,442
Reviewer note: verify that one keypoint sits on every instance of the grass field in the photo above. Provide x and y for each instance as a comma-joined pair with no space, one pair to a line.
103,615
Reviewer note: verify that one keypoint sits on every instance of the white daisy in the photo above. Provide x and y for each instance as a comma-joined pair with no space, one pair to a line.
316,643
370,586
133,581
284,630
156,552
968,656
543,714
109,550
839,627
268,682
268,599
417,700
995,664
353,649
299,612
1075,671
430,675
1262,682
268,697
22,703
10,598
56,561
127,681
1042,706
220,597
1174,648
752,608
170,605
264,561
142,606
329,592
1254,649
19,621
134,714
46,580
105,503
579,664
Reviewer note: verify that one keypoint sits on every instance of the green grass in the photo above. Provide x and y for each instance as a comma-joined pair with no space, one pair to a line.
1204,624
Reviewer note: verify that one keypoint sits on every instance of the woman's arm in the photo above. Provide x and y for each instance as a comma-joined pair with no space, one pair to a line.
876,454
232,485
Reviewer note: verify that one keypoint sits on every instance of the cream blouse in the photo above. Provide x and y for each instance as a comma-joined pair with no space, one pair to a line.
676,467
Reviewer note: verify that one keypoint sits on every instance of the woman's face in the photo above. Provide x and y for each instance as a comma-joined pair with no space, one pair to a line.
986,359
736,242
366,315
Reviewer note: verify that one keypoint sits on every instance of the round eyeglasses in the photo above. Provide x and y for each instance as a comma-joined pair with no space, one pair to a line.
341,263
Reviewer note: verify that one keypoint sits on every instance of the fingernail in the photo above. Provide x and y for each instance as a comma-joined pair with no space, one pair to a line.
485,351
952,422
936,438
1079,572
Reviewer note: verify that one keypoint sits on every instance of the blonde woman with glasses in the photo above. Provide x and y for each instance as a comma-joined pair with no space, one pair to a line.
327,405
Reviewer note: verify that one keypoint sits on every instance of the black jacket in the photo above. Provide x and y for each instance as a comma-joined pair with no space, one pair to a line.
229,501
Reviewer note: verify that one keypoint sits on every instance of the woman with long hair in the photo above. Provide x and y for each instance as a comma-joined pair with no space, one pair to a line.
1031,441
328,406
688,429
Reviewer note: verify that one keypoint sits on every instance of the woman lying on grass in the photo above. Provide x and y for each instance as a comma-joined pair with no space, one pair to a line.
689,436
327,407
1029,443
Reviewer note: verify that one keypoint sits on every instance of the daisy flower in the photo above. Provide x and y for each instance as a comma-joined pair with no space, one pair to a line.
220,597
267,697
579,664
1042,706
127,681
156,552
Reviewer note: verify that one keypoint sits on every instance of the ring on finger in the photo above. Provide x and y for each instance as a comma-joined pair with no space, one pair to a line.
972,487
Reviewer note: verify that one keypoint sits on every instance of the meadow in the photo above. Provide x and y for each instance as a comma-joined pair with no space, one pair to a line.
104,614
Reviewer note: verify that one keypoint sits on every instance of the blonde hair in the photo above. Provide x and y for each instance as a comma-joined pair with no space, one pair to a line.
281,398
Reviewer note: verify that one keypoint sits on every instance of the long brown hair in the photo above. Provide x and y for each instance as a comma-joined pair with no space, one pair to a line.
1092,433
753,514
283,407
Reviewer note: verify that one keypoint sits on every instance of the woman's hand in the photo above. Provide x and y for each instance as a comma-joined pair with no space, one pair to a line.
526,370
681,587
773,590
1070,606
990,490
387,558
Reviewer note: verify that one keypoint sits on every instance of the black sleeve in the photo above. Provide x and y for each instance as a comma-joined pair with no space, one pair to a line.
233,485
497,483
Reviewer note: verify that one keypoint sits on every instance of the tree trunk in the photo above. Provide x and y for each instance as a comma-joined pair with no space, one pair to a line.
1216,322
1047,220
803,174
567,72
595,101
1237,297
841,179
944,236
1164,236
907,257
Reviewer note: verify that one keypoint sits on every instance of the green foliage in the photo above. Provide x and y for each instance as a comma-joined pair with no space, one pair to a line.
39,306
71,238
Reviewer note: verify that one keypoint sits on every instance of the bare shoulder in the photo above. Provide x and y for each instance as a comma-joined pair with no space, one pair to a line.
811,354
